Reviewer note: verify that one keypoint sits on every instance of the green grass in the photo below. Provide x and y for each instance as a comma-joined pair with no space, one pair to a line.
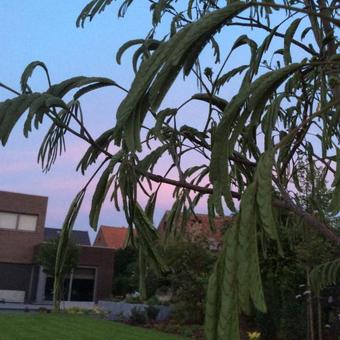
71,327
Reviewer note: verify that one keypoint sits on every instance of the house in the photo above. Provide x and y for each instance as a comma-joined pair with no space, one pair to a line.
112,237
22,232
198,229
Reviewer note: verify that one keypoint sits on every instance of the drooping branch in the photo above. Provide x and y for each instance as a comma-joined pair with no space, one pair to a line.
312,13
284,203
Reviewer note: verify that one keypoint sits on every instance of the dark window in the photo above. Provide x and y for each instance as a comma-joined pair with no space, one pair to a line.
82,284
82,290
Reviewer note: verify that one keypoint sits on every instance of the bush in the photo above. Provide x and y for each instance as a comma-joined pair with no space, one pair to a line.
152,312
96,312
138,316
191,265
125,279
188,312
133,298
153,301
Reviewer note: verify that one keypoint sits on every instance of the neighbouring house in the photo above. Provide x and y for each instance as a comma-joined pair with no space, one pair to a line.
198,229
22,232
112,237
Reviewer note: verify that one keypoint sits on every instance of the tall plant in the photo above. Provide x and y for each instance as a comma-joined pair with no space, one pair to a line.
47,257
247,145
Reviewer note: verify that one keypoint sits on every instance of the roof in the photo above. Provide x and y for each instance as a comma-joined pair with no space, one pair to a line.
80,237
111,237
198,228
3,192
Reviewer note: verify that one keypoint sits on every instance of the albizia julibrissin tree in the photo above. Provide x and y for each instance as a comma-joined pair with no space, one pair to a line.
249,145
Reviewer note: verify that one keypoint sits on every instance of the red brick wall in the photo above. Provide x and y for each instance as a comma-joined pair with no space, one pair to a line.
102,259
17,246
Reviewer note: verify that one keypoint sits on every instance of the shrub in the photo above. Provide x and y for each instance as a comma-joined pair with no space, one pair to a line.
133,298
125,279
191,265
96,312
138,316
152,312
153,301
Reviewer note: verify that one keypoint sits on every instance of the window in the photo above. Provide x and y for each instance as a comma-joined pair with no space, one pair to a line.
14,221
27,222
8,220
78,286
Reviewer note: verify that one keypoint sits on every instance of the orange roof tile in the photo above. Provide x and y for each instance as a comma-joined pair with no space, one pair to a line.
198,227
111,237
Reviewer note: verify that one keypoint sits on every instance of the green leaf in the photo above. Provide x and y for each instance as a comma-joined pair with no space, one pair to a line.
92,153
305,32
232,123
90,10
39,107
150,206
10,112
335,203
126,46
245,40
12,109
221,320
101,190
265,193
236,277
325,274
28,73
61,89
160,117
227,76
147,236
151,159
147,45
54,141
288,40
65,234
262,49
269,120
247,224
157,73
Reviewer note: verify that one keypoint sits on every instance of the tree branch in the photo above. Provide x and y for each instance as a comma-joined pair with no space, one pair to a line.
284,203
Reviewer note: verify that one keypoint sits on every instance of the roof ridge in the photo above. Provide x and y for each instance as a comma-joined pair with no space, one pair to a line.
113,227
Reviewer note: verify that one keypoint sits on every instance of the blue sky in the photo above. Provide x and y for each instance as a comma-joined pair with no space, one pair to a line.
46,31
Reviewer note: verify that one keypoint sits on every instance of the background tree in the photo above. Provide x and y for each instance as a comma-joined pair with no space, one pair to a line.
47,256
248,143
190,267
125,278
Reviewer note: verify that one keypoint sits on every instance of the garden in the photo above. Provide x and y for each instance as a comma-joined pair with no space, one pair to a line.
233,108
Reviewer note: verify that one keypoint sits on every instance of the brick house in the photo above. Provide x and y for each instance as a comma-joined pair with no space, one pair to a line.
112,237
22,231
198,229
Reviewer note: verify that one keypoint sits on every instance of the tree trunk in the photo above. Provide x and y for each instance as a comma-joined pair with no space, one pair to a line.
310,319
319,318
142,274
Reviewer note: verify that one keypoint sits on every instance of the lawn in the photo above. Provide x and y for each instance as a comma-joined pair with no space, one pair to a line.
64,327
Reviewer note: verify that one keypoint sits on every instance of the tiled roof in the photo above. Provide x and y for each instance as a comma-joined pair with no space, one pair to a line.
198,228
111,237
78,236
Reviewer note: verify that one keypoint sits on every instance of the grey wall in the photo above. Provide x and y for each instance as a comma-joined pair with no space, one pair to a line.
119,309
